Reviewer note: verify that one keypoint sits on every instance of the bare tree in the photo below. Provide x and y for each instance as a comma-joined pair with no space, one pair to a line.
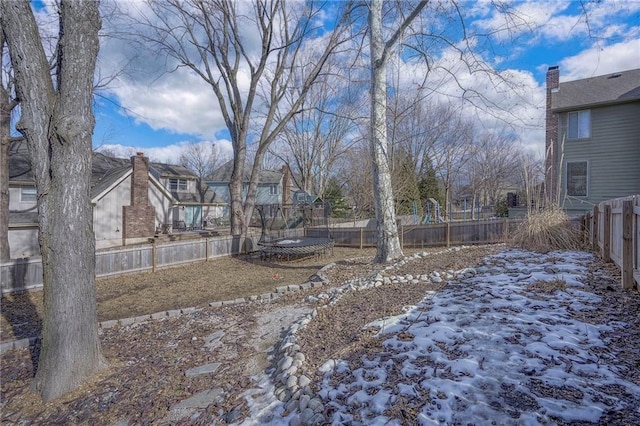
57,121
203,159
242,50
388,245
7,104
315,140
358,180
494,165
452,150
532,180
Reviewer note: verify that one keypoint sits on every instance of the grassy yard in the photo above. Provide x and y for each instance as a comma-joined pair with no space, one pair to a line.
196,284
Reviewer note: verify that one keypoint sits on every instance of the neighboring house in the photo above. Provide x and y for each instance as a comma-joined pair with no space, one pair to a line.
300,196
194,200
130,201
274,187
592,138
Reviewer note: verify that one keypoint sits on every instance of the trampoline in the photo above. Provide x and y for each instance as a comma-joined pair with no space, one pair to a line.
294,231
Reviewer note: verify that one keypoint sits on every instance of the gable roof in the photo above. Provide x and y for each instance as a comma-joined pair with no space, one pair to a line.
107,172
619,87
172,170
223,174
110,179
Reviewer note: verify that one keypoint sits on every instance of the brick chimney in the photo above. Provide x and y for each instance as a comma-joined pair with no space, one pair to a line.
139,217
551,136
286,186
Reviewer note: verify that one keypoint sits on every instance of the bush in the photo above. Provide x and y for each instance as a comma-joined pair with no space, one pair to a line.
501,209
547,230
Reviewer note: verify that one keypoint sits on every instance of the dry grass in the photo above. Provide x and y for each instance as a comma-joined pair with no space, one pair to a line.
548,230
548,286
196,285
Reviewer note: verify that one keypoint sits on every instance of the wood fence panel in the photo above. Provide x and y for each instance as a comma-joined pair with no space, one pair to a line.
354,237
21,274
606,240
115,262
616,236
424,235
636,240
181,252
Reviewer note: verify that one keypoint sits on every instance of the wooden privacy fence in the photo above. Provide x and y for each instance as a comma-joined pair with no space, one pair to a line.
23,274
418,236
614,233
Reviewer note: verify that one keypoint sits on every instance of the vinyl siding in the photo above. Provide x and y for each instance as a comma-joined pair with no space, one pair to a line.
612,152
107,215
15,203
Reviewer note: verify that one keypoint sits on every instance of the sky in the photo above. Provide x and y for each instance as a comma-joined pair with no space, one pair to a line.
146,109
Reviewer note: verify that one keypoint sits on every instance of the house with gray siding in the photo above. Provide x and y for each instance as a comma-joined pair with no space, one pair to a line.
132,200
592,138
274,186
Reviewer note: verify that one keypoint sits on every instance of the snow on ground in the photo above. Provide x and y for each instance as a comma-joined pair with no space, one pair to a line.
491,349
487,350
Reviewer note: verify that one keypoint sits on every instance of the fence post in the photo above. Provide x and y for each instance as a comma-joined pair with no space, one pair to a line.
627,245
505,229
586,227
447,232
596,227
361,237
154,256
606,246
206,249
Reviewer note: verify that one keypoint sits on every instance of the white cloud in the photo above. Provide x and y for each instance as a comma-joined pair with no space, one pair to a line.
492,99
169,154
512,20
180,102
600,60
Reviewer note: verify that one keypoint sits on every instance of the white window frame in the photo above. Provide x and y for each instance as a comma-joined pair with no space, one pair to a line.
581,128
273,189
28,194
179,185
586,183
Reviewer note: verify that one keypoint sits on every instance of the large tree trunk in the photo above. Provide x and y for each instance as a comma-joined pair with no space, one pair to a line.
6,106
388,246
58,122
5,120
236,186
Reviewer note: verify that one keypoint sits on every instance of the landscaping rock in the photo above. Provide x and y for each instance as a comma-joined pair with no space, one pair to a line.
200,400
204,369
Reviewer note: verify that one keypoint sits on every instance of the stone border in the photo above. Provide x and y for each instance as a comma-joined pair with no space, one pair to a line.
317,280
290,377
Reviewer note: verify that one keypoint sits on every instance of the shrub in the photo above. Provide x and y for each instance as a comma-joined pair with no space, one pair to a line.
547,230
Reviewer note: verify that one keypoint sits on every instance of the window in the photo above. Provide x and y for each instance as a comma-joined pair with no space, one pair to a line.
577,173
273,189
28,193
579,125
177,185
